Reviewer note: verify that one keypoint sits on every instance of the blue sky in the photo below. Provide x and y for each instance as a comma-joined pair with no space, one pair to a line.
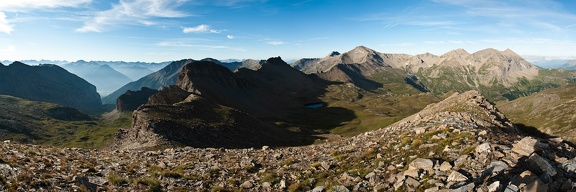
163,30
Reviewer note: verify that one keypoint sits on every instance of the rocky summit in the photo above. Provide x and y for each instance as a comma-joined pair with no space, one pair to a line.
460,144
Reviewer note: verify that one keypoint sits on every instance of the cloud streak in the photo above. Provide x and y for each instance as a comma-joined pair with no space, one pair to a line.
200,29
275,42
134,12
19,5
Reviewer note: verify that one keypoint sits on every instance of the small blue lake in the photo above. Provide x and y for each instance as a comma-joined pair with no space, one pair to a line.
314,105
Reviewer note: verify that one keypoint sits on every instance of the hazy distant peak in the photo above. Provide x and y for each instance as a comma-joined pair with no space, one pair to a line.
427,54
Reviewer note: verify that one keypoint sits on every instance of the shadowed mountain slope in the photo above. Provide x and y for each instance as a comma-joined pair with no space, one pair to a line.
49,83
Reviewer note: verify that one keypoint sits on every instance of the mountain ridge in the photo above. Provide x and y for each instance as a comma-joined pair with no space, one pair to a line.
49,83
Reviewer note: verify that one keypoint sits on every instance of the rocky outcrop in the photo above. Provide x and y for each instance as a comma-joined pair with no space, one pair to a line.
49,83
169,95
131,100
448,153
198,122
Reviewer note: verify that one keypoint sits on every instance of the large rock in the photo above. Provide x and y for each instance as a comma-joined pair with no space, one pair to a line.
456,176
540,166
420,163
526,146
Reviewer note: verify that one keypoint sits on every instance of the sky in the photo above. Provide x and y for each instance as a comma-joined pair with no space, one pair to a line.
166,30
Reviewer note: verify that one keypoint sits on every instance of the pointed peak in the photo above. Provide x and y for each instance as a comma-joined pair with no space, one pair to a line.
334,53
427,54
459,51
274,60
509,52
362,48
18,63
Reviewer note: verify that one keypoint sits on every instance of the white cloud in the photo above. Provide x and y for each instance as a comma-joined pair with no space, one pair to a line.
5,26
200,29
9,51
133,12
18,5
229,36
234,3
275,42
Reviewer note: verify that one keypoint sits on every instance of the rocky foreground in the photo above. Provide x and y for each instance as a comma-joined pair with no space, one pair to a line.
460,144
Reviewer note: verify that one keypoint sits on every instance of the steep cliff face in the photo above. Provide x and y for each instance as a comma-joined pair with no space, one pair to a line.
49,83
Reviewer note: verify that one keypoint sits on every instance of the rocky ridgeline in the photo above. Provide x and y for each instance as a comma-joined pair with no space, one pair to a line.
460,144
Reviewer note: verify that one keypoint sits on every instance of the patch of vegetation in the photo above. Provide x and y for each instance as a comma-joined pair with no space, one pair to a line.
351,111
117,180
151,183
34,122
548,112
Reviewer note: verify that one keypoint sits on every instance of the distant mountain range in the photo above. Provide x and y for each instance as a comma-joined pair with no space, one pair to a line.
500,75
552,62
107,76
169,74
